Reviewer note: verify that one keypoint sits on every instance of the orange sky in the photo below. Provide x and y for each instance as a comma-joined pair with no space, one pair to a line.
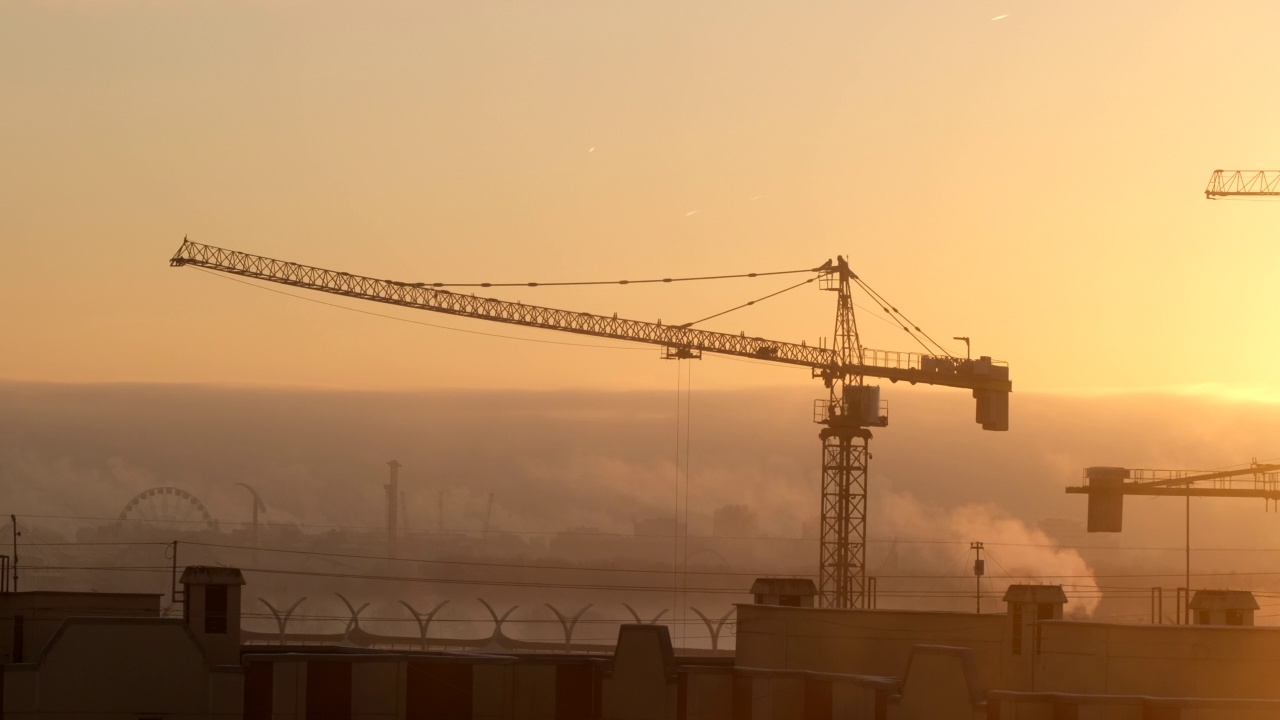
1033,182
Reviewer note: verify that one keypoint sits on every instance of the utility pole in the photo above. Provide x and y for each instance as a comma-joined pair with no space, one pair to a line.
979,569
14,520
393,515
1186,609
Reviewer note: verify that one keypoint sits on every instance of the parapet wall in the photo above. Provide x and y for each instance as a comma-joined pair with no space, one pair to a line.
1203,661
872,642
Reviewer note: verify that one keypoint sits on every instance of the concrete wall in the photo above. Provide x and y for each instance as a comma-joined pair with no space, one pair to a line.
368,685
42,612
120,667
1051,706
940,682
1159,660
642,684
874,642
535,691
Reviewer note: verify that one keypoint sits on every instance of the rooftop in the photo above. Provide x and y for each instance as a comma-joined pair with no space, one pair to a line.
210,575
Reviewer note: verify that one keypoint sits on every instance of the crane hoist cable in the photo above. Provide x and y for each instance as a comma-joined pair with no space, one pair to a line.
619,282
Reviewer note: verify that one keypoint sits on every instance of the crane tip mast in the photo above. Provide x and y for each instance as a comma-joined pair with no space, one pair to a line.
852,406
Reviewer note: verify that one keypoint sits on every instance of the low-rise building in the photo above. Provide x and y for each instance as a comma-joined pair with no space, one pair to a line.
114,657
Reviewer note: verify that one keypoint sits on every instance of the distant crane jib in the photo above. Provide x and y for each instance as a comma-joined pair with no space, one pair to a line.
1247,183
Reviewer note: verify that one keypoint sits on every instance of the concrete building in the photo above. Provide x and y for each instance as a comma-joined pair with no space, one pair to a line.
114,657
1025,663
107,655
29,619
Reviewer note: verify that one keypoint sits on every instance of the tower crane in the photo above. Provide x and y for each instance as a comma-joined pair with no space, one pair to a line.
1107,487
1249,183
851,408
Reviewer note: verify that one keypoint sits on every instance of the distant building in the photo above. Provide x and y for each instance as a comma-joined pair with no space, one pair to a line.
734,521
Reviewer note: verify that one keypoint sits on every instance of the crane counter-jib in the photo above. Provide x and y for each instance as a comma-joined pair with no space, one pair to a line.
989,380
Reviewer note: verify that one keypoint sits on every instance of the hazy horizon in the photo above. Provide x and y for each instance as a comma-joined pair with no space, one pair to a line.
603,462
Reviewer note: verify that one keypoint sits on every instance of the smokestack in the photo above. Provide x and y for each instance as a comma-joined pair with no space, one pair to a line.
488,515
393,515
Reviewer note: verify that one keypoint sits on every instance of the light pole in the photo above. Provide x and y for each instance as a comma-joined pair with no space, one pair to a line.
979,569
14,519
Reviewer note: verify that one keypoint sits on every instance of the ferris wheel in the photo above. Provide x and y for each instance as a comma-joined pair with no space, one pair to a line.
168,507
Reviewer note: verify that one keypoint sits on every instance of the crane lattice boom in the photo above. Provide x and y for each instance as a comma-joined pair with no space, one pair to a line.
981,374
1228,183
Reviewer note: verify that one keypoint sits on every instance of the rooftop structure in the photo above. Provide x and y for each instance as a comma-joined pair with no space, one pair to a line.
1223,607
787,592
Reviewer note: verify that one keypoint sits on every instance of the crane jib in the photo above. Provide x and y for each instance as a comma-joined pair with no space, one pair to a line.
981,375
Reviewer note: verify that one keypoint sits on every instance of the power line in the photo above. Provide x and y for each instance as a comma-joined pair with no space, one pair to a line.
705,590
490,583
601,533
466,563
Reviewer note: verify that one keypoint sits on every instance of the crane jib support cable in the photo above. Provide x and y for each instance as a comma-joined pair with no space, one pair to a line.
894,366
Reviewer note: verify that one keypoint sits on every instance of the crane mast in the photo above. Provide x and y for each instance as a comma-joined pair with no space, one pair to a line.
850,409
